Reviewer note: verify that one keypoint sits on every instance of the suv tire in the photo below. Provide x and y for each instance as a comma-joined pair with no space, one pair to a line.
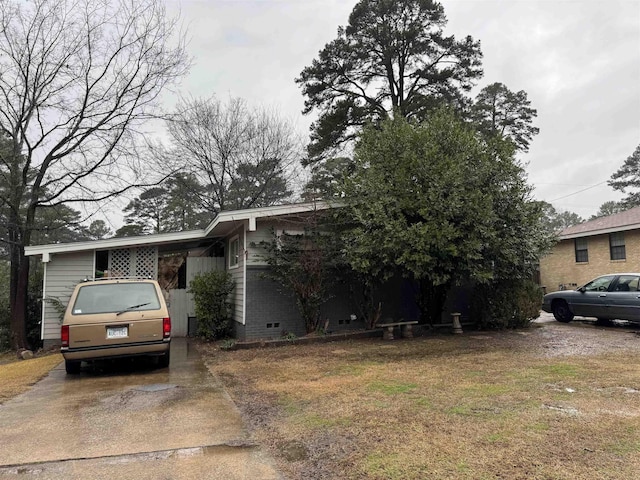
163,361
72,366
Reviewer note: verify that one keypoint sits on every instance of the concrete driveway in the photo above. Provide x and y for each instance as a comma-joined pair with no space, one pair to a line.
129,421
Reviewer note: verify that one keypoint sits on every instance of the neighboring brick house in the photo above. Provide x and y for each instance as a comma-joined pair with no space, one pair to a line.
605,245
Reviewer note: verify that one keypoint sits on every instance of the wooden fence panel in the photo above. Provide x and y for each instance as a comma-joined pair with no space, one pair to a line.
180,301
181,305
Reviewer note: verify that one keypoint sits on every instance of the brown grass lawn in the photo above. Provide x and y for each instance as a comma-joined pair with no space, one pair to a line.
477,406
16,376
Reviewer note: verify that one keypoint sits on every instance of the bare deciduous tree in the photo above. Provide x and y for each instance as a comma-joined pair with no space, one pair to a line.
78,81
244,158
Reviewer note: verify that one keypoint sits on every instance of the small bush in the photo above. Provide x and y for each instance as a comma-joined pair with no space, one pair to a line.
506,304
228,344
289,336
212,307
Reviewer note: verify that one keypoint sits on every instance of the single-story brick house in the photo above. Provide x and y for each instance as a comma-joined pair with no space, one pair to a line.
229,242
608,244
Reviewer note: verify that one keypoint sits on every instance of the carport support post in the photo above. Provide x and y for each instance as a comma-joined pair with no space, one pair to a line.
455,317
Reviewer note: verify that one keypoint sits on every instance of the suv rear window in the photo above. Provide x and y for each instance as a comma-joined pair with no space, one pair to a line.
115,297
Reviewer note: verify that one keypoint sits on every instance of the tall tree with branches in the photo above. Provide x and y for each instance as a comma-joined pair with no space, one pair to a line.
438,204
610,207
243,157
627,180
79,79
173,206
499,111
392,59
554,221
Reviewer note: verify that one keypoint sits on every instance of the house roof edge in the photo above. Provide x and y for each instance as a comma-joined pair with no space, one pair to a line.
176,237
159,238
603,231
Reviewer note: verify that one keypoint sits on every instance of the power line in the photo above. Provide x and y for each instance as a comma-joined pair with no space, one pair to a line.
564,184
579,191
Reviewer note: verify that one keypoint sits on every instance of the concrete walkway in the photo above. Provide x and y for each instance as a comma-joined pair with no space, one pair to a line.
127,421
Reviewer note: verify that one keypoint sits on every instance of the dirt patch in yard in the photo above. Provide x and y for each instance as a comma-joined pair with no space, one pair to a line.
556,401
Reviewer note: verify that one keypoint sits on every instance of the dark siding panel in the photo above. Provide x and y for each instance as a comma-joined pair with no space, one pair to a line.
268,305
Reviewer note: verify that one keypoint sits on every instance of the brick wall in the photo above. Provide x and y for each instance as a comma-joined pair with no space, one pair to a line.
270,311
560,267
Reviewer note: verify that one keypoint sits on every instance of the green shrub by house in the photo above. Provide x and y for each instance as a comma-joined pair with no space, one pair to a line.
212,306
506,304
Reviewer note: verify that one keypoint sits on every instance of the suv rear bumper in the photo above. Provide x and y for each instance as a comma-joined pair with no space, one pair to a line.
109,351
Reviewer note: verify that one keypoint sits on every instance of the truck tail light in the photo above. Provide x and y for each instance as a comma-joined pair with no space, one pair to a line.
64,335
166,327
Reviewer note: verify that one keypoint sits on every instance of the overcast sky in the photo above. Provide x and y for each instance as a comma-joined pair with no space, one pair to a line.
578,61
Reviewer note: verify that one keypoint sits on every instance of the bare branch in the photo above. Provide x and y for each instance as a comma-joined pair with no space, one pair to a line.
79,82
247,156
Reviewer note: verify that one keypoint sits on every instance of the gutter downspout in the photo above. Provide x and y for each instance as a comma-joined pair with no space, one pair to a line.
244,277
44,298
46,258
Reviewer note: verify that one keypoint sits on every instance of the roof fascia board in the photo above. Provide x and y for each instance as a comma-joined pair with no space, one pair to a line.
262,212
122,242
604,231
175,237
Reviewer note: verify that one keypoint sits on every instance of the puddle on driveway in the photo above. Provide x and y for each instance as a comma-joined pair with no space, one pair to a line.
143,397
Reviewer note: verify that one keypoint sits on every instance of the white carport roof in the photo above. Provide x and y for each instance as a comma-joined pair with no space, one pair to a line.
222,225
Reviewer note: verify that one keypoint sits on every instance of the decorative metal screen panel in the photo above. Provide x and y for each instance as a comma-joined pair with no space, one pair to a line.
134,262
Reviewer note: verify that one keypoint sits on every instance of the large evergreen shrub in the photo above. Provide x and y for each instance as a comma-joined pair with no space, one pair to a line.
506,304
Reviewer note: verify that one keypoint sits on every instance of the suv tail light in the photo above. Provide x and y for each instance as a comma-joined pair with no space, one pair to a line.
166,327
64,335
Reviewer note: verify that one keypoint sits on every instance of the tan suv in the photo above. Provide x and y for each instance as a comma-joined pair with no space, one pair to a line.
113,318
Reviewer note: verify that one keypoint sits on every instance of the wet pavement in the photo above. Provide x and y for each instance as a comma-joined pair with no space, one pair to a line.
129,420
582,336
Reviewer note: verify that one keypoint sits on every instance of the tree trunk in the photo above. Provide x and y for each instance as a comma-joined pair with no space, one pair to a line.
432,300
372,311
18,301
19,274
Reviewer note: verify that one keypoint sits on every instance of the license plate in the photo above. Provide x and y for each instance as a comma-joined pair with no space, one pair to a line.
117,332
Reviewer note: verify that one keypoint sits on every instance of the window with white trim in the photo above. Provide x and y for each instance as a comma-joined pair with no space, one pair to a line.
234,251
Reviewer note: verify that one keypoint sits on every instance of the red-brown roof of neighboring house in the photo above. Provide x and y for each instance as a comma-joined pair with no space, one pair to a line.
627,220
